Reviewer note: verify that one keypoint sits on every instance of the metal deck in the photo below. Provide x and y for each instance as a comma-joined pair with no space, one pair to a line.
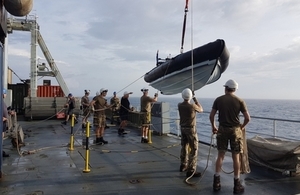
124,166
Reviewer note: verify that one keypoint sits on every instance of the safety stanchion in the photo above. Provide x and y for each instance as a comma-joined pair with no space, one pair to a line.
72,134
87,151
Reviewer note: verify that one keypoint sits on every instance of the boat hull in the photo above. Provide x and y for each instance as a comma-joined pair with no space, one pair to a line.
174,75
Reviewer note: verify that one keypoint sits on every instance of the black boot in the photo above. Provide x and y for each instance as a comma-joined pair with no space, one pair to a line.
103,141
183,168
4,154
98,141
238,187
217,183
123,132
119,131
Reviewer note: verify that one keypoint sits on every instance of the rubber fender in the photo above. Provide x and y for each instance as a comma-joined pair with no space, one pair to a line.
18,7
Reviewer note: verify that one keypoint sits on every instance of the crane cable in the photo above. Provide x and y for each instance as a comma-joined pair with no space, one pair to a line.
192,71
184,25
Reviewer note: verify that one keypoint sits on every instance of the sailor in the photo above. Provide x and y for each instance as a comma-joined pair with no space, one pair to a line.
189,137
99,103
85,103
230,130
70,105
146,111
115,103
124,111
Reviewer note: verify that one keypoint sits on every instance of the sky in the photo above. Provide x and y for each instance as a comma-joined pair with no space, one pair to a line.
112,44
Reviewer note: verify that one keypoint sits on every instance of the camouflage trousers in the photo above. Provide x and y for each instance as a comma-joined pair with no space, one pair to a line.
189,148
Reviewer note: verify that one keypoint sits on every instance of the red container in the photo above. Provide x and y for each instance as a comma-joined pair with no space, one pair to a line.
49,91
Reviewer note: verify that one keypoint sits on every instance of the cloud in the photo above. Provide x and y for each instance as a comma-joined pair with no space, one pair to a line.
113,43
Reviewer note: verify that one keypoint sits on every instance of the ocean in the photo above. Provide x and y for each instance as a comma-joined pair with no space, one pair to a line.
268,117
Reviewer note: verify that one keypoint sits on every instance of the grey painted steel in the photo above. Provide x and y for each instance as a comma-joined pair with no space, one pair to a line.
160,118
44,107
123,166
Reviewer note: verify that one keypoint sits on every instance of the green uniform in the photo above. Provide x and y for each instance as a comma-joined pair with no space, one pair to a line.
189,137
229,107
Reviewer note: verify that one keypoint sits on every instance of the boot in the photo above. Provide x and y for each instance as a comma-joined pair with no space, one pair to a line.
98,141
217,183
103,141
123,132
4,154
143,140
183,168
196,174
238,187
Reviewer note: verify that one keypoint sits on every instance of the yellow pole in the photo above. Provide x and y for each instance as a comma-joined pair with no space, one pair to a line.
87,151
149,131
72,135
149,136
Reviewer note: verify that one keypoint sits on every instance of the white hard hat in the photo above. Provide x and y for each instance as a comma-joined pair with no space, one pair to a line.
187,94
232,84
126,92
103,90
144,89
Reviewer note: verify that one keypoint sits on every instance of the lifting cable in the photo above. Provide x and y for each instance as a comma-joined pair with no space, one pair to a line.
184,24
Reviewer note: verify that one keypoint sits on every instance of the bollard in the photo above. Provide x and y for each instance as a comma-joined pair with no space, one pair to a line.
87,151
72,135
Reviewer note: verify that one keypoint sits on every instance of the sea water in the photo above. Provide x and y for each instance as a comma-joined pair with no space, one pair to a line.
278,118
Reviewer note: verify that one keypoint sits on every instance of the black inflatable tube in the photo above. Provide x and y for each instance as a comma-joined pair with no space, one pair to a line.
213,50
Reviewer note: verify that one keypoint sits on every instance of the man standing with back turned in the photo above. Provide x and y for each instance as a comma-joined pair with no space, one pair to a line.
189,137
230,129
146,110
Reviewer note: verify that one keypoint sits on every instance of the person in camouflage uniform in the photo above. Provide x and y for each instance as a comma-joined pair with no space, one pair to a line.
115,103
229,106
99,105
85,103
146,113
189,138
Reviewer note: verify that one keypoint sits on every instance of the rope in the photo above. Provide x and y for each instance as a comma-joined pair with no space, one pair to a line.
202,174
192,48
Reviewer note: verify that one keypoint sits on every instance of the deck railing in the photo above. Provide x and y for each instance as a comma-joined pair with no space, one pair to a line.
263,126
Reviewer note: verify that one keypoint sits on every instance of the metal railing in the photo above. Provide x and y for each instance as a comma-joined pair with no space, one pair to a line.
262,126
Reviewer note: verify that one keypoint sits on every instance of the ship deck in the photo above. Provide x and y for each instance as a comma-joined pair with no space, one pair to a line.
123,166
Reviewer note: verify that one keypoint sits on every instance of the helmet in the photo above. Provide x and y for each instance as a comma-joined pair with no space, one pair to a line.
4,91
232,84
127,93
103,90
187,94
70,94
86,91
144,89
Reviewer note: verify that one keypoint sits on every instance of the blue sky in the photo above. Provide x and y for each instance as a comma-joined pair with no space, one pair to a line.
112,44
